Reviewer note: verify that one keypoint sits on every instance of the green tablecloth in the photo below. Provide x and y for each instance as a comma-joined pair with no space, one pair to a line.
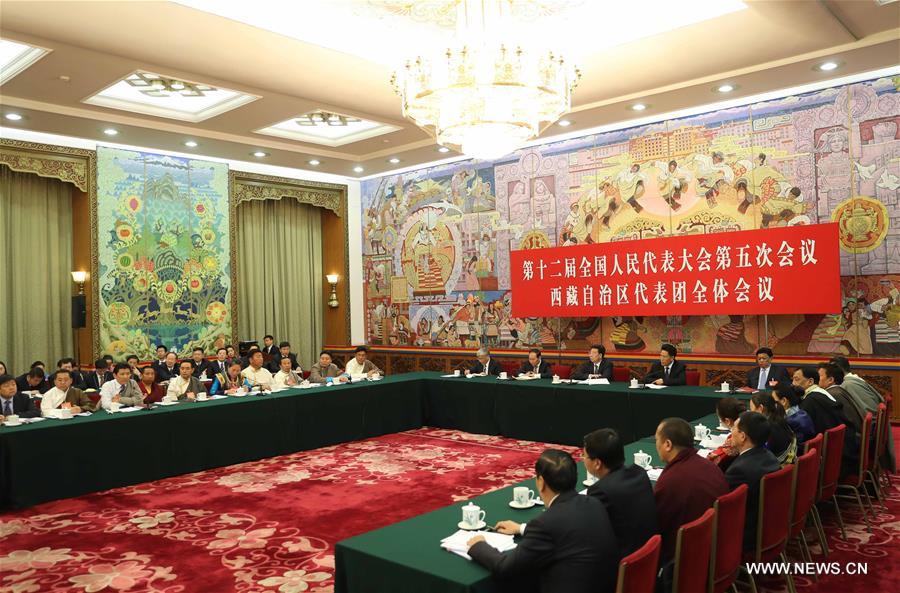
62,458
406,556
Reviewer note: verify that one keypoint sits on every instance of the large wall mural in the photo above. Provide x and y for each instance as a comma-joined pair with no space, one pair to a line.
163,253
436,241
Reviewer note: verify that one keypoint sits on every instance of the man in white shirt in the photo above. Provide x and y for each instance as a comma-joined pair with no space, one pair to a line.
122,389
361,365
185,385
286,377
63,395
255,373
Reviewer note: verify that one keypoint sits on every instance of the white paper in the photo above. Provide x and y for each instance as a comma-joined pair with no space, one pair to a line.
218,397
600,381
445,376
131,409
527,378
583,491
84,414
652,386
704,452
458,543
32,420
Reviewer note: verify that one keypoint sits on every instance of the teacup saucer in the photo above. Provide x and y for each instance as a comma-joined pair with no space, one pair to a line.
166,403
467,527
13,423
527,505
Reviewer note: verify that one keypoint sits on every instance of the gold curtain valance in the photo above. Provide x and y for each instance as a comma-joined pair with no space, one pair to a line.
70,165
251,186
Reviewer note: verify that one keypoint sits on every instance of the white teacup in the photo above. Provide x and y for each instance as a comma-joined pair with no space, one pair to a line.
725,386
13,419
202,396
556,378
472,515
456,373
503,375
701,432
642,459
115,406
522,496
634,382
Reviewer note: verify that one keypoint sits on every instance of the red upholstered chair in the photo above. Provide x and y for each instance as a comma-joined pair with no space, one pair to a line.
563,370
806,481
306,374
94,396
621,374
692,377
728,539
856,483
774,519
693,547
833,449
817,443
637,571
877,474
510,368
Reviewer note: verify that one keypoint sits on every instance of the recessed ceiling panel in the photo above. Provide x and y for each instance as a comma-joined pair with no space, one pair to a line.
16,56
327,128
166,96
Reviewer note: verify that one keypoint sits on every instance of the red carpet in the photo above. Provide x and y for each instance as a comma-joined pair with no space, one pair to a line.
271,526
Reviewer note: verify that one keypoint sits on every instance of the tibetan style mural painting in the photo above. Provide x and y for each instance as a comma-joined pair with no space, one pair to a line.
164,271
436,241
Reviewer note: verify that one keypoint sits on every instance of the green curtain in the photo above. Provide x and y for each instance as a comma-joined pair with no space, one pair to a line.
35,269
279,276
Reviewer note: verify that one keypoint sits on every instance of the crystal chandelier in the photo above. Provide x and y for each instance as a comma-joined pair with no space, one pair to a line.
490,92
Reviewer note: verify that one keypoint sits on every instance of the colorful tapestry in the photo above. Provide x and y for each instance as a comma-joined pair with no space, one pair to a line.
436,241
163,253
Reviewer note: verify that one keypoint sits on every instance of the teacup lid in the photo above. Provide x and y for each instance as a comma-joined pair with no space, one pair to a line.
470,505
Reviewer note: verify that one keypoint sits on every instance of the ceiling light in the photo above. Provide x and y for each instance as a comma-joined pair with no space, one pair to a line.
443,149
725,88
260,154
313,162
487,91
358,169
111,131
394,160
13,116
638,107
828,66
190,144
564,123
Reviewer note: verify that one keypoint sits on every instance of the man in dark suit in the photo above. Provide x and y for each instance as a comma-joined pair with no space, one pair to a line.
749,435
596,366
667,371
169,368
201,365
14,403
96,378
766,375
484,365
34,379
571,545
688,485
219,365
534,366
269,350
284,351
625,491
160,361
68,364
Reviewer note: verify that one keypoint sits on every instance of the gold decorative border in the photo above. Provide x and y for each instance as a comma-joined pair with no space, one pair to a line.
244,186
77,166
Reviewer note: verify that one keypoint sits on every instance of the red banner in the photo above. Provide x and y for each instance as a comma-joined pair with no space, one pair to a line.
769,271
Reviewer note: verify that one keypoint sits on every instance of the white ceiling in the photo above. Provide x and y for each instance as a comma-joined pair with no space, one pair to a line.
337,59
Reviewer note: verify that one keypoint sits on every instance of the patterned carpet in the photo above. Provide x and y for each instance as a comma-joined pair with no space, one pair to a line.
271,525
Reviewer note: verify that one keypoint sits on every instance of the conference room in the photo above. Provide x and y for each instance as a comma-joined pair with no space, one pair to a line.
449,296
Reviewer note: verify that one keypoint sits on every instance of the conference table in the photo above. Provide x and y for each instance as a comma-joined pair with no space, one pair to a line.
406,556
55,459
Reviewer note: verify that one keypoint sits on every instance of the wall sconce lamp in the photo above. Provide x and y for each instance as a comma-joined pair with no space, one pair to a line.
79,277
333,300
